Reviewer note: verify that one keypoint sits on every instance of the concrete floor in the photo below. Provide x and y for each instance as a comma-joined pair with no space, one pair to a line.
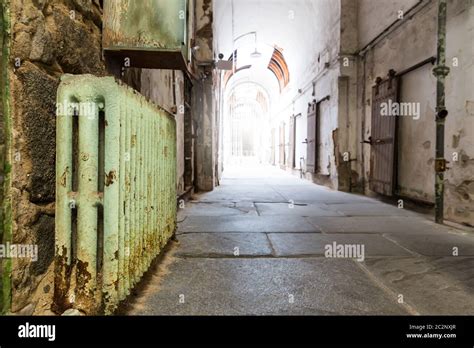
256,246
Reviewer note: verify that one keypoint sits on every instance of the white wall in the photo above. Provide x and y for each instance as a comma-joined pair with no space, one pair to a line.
376,15
416,145
317,62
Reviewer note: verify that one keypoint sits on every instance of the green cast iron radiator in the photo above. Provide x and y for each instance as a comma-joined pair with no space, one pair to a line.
115,191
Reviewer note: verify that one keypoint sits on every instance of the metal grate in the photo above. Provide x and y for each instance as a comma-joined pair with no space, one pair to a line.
115,191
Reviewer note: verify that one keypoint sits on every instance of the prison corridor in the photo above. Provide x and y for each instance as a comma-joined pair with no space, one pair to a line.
257,245
224,157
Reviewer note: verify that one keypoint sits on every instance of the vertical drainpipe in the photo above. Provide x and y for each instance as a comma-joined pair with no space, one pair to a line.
440,71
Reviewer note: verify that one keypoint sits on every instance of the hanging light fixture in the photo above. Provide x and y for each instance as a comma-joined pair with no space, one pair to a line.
255,54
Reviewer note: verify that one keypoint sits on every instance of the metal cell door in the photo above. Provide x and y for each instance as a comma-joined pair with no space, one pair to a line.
382,158
292,150
282,145
311,138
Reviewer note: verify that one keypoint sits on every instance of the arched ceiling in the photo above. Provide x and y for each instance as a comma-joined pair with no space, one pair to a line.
285,24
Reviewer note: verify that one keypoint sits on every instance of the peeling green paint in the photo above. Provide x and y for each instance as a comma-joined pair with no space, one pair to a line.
134,186
146,26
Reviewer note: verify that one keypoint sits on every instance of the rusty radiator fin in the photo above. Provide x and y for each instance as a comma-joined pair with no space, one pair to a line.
119,209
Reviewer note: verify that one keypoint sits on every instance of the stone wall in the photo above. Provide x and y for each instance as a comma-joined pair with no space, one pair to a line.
2,155
49,38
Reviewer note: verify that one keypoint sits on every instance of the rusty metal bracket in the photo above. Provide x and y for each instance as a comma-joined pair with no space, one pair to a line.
440,165
391,75
441,70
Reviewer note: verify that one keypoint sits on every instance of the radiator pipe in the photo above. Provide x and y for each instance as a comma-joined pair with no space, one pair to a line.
440,72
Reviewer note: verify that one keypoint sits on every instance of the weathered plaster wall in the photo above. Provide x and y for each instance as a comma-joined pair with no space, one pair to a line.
413,166
179,110
398,53
205,128
157,85
204,101
203,22
459,189
49,38
325,85
348,134
378,15
411,42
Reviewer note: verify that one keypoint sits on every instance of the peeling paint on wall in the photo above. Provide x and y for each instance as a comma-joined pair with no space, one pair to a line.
385,55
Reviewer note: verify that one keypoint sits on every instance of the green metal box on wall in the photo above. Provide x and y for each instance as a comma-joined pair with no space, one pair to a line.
149,33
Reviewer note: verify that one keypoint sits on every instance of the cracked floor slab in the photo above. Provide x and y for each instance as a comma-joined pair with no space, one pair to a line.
378,225
295,208
220,245
242,193
369,209
310,193
435,286
250,224
281,267
287,244
442,244
197,208
266,287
